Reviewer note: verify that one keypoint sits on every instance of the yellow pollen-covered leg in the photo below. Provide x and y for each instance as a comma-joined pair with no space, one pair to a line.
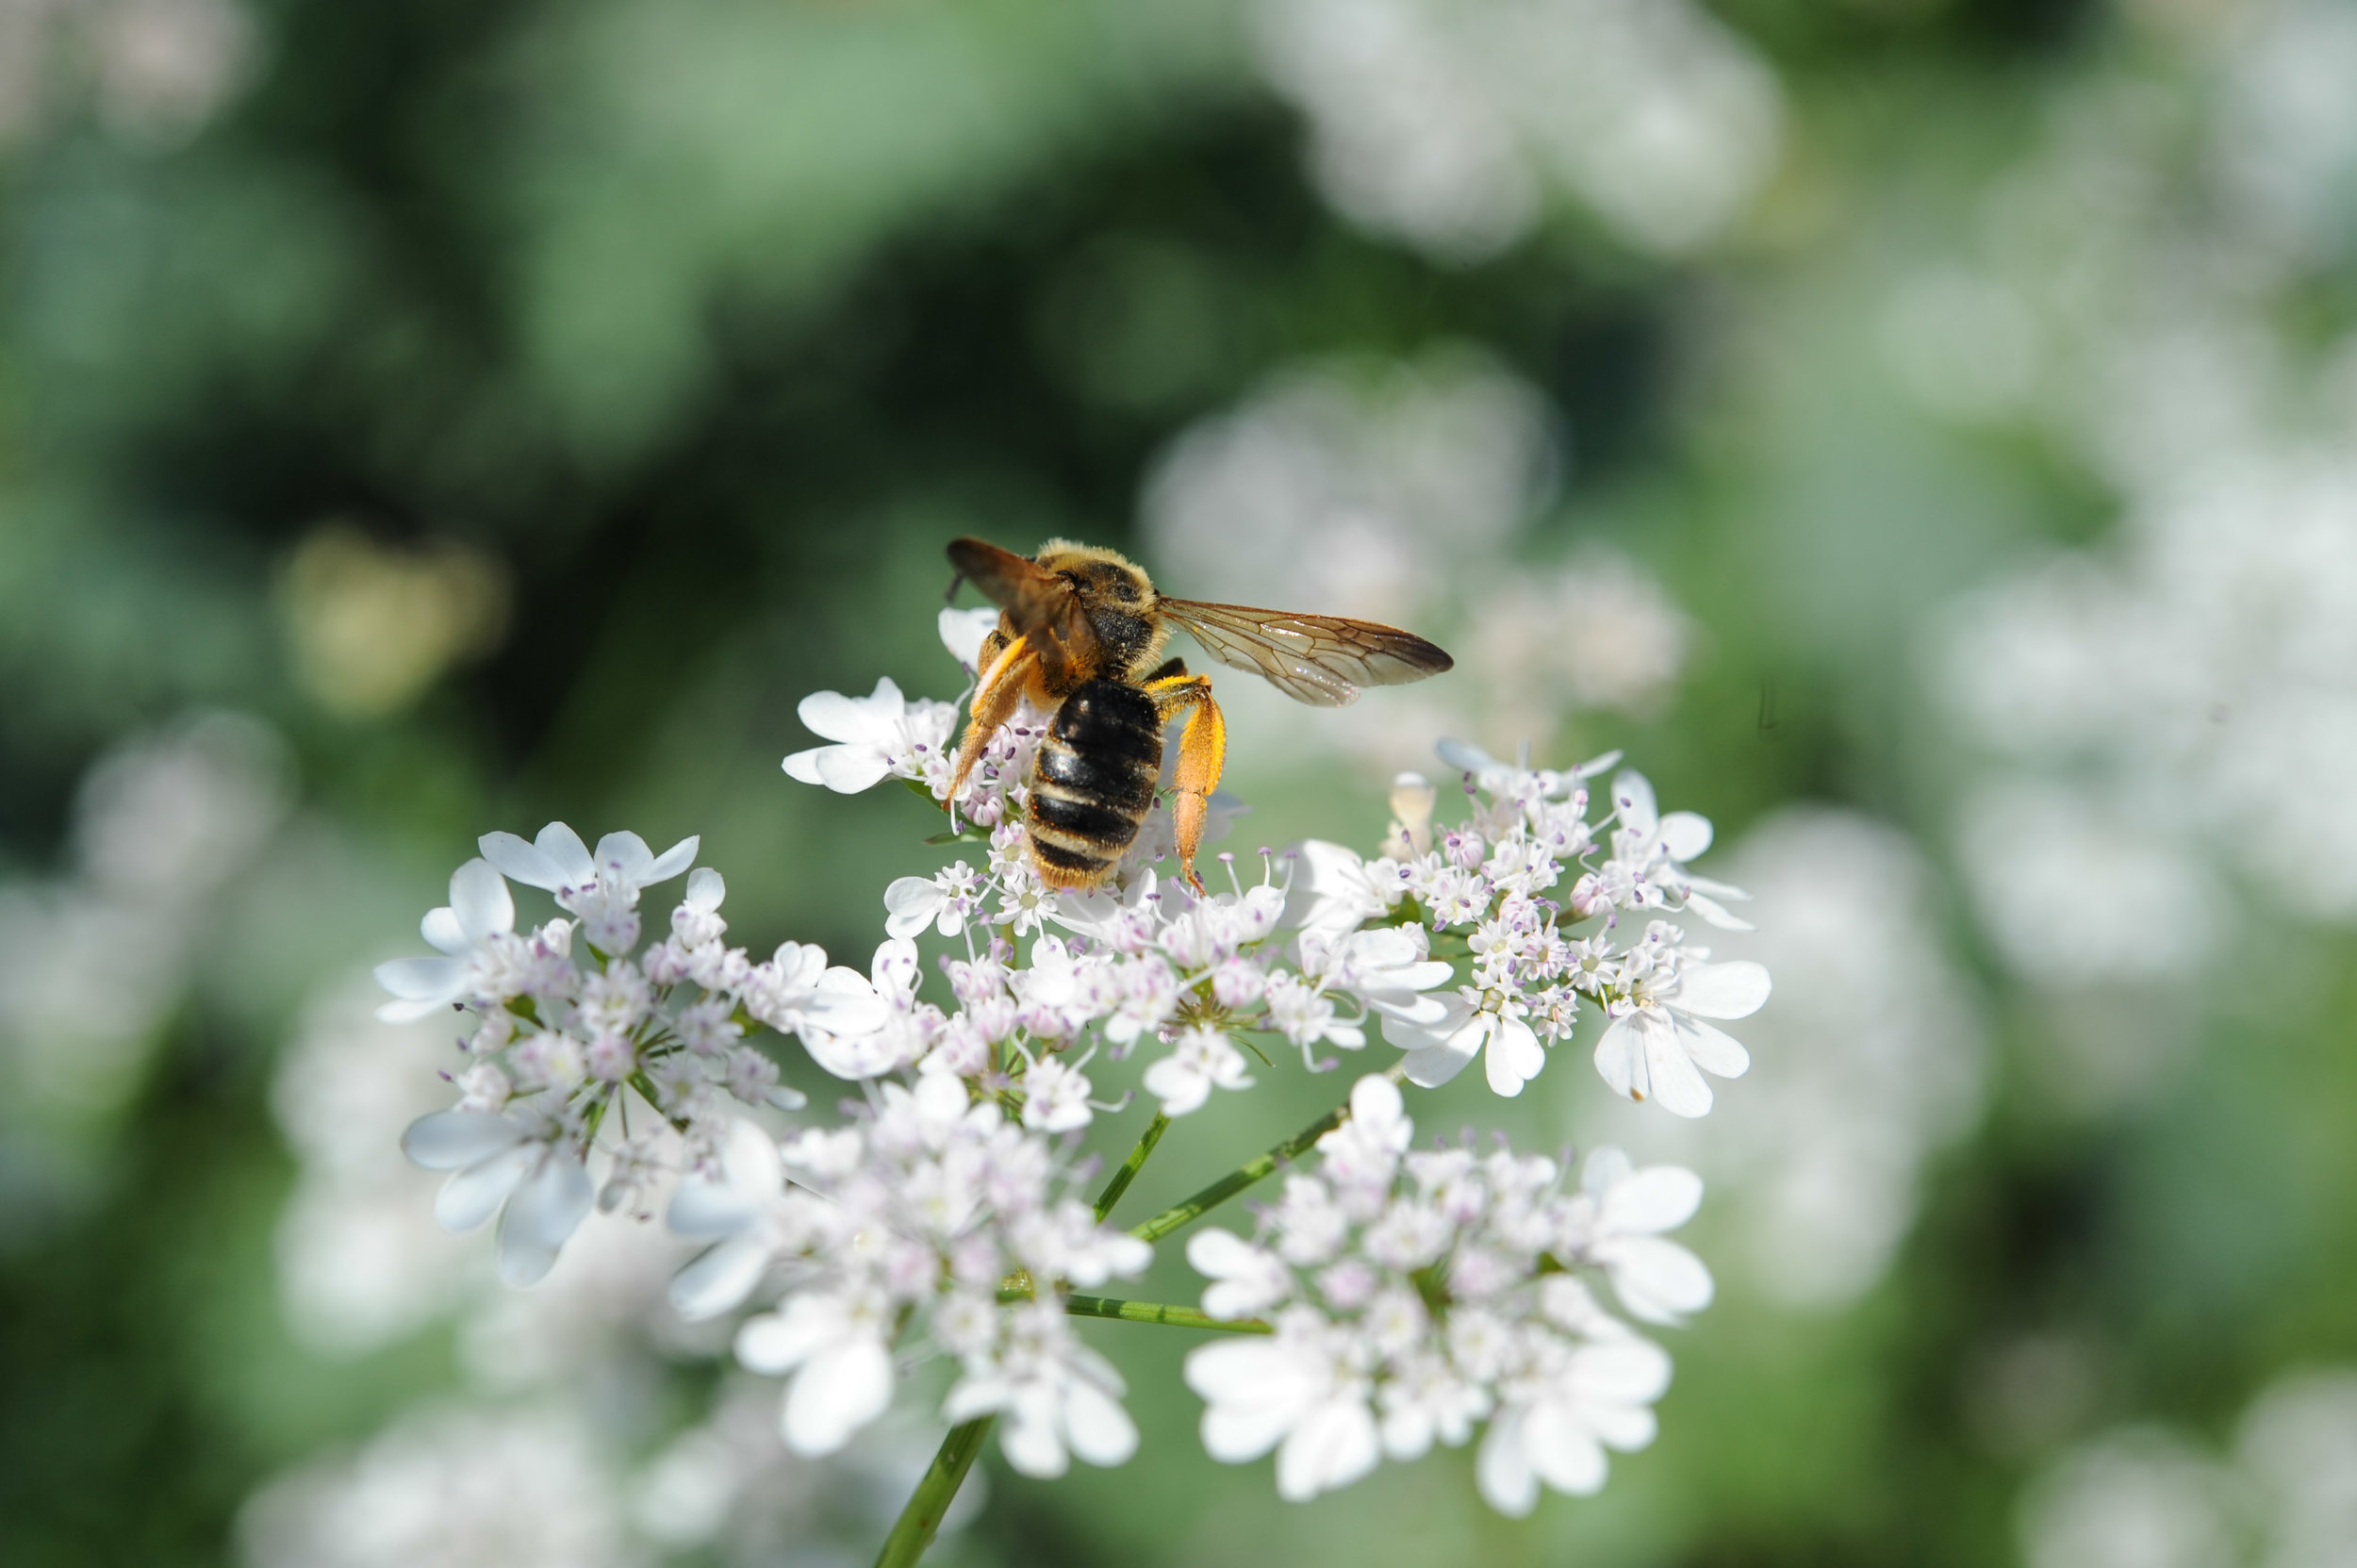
995,700
1202,750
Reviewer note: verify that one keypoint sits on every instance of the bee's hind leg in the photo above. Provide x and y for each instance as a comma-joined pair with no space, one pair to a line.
1202,751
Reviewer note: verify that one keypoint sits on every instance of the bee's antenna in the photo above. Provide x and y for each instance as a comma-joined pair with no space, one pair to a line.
957,581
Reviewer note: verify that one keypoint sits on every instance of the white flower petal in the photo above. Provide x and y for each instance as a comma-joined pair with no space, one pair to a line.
434,981
781,1341
521,861
1659,1281
1632,797
672,862
720,1280
1561,1450
472,1196
1716,913
1503,1473
1434,1065
1621,1058
1515,1056
1242,1371
846,769
1734,990
1634,1373
1605,1168
541,1218
911,904
1376,1100
836,1393
567,853
1678,1087
1685,834
1464,757
1028,1440
627,855
1713,1050
443,933
706,889
1220,1253
480,899
963,631
1331,1446
1101,1431
860,721
1659,1198
449,1140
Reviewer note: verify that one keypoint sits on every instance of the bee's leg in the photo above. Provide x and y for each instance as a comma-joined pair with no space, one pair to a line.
1202,748
1005,667
1167,669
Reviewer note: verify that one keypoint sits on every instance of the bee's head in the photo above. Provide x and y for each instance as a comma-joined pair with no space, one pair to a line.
1102,578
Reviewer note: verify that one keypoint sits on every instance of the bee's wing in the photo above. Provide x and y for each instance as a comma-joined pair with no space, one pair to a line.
1039,605
1319,659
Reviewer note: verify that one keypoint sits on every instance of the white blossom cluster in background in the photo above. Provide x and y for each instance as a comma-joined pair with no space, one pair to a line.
1398,492
1870,1064
1450,125
452,1485
1420,1294
2149,1498
94,961
2141,704
944,1216
155,71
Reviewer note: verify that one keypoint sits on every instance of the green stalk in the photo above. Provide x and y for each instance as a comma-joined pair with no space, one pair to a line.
1156,1311
1255,1170
921,1520
1129,1167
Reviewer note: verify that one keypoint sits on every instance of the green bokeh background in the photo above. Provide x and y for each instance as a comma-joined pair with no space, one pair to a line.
706,325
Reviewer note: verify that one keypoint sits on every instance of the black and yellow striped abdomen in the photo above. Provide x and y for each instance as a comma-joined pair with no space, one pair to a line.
1093,782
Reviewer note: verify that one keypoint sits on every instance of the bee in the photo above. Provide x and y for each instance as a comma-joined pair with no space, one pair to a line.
1080,632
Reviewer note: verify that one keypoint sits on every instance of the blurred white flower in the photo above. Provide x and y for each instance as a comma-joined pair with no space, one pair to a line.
360,1262
1203,1060
92,962
1351,485
2298,1446
1448,125
453,1486
1397,493
2134,1498
2146,1497
1870,1063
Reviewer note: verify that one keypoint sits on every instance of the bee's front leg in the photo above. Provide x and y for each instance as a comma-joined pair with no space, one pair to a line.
1006,666
1202,751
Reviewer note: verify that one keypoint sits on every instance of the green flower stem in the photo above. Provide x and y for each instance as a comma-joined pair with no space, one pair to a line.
1155,1312
1189,1210
1142,1312
921,1519
1129,1167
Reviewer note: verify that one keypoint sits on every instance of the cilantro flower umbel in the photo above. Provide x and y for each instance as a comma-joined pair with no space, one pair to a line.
616,1059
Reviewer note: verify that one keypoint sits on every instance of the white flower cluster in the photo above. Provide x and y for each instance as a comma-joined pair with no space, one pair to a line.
1485,885
1417,1295
913,1224
942,1216
560,1040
